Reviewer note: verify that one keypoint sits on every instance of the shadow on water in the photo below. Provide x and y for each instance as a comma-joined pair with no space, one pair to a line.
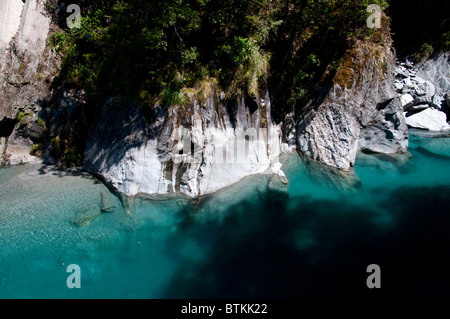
427,153
61,173
330,176
321,249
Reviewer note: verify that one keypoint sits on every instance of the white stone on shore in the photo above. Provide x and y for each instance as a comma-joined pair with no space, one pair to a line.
429,119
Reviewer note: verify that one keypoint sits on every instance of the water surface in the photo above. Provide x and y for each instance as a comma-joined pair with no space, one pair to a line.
312,239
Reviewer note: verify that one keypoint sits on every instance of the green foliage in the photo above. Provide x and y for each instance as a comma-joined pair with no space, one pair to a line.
56,143
163,51
137,48
308,45
72,158
22,116
36,149
41,122
424,52
446,40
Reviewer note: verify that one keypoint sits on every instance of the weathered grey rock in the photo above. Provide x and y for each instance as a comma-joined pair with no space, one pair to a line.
426,89
289,134
419,80
409,86
437,71
399,85
388,133
359,112
438,102
429,119
403,72
191,149
406,100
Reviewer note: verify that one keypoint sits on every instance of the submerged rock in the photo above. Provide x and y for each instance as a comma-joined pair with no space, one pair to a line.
108,204
332,177
87,215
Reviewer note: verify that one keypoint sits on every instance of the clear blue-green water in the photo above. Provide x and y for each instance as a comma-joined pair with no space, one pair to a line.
312,239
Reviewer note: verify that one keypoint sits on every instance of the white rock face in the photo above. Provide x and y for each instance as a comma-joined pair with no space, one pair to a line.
195,150
437,71
429,119
10,12
33,31
29,24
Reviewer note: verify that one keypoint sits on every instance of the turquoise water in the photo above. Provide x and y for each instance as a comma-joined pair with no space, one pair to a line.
314,238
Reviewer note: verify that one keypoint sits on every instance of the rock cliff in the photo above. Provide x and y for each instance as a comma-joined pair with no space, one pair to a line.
203,146
26,71
361,111
195,149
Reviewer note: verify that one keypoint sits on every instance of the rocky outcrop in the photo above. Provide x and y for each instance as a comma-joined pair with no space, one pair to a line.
195,149
360,112
424,90
26,71
437,71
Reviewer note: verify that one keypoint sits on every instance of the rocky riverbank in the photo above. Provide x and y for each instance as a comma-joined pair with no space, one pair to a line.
425,91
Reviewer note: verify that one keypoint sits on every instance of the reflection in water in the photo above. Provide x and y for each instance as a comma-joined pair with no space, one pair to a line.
259,238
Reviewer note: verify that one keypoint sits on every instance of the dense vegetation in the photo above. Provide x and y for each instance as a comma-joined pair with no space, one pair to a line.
168,51
420,27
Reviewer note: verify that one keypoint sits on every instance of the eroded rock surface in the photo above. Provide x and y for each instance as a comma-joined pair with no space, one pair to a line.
361,111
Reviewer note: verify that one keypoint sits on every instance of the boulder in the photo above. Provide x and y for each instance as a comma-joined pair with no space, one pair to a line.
108,204
402,71
437,71
427,89
399,85
438,102
388,132
429,119
406,100
189,149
